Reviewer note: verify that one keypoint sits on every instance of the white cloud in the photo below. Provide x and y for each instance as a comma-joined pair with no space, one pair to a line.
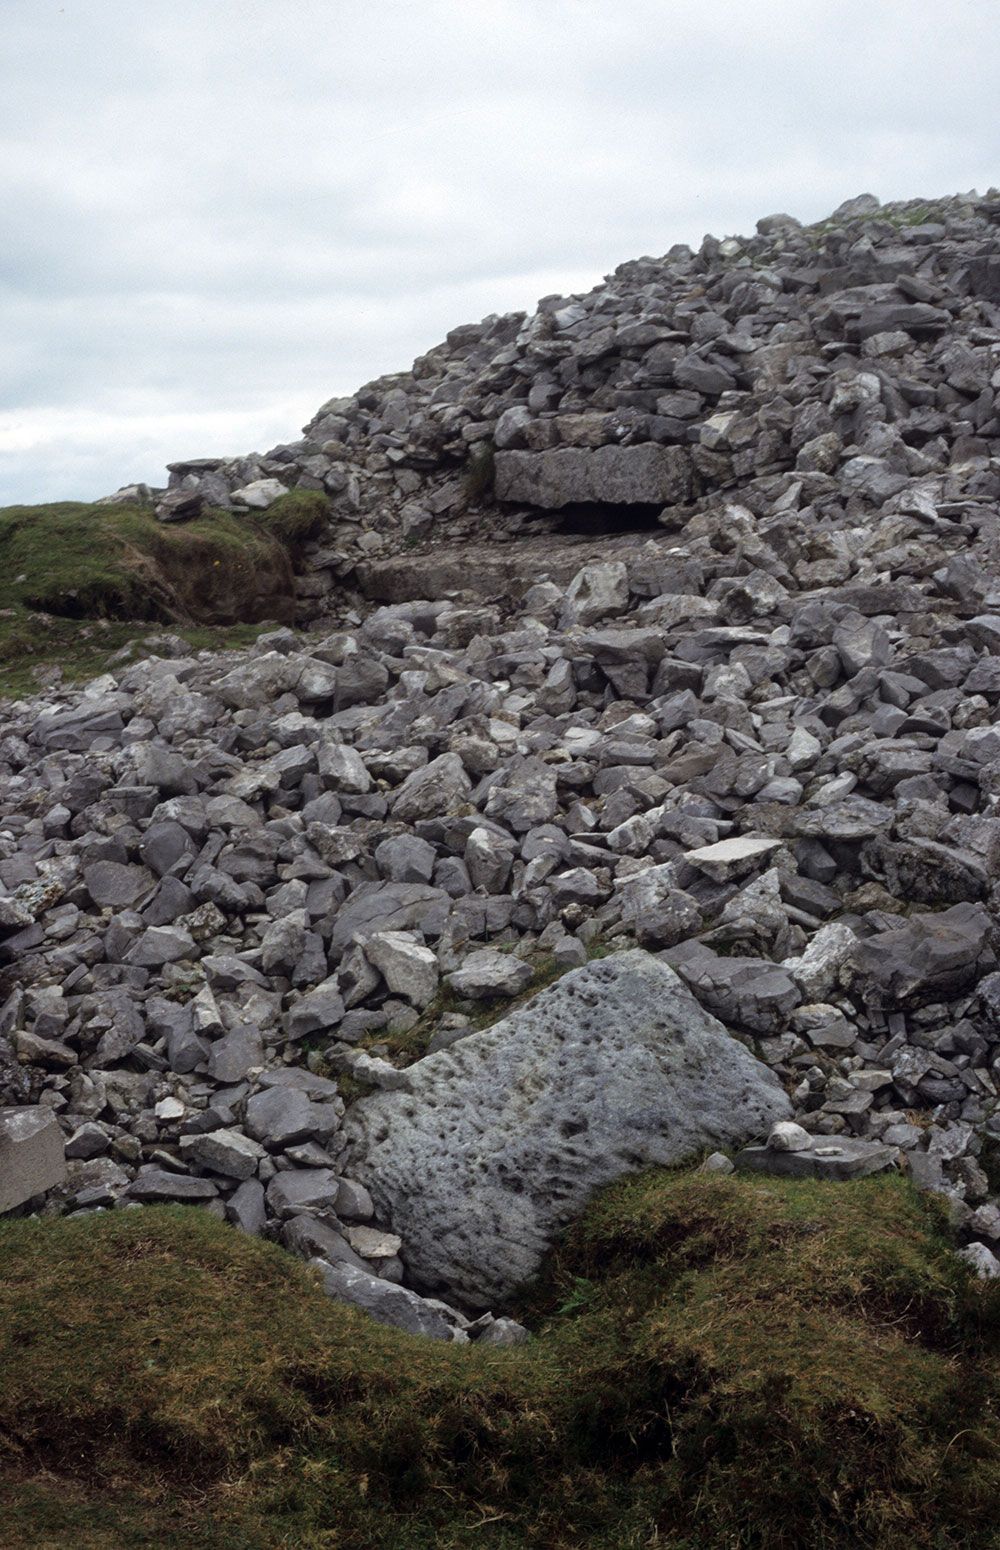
218,215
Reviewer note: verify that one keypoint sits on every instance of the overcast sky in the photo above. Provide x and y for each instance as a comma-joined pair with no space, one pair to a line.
218,213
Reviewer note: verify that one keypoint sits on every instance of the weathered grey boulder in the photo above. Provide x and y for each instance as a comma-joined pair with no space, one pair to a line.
503,1138
31,1155
931,957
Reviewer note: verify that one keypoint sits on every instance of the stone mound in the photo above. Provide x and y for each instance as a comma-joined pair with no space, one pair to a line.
731,692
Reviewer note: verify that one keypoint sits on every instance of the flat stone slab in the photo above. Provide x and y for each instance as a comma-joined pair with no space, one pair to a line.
830,1157
32,1158
733,857
153,1184
502,1138
645,475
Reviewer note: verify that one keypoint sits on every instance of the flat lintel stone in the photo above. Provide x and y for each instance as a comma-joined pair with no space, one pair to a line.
647,475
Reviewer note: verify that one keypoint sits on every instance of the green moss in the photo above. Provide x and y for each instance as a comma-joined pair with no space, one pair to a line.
717,1361
294,517
79,581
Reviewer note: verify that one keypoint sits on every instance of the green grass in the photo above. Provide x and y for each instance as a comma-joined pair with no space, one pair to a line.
717,1361
79,581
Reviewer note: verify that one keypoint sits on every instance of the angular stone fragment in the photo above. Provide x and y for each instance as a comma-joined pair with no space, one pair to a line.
279,1117
734,857
614,1068
389,907
748,993
231,1057
408,967
437,788
245,1207
223,1151
643,475
320,1008
110,883
32,1159
302,1189
840,1157
596,592
486,973
152,1184
816,971
371,1243
928,959
160,945
384,1302
524,797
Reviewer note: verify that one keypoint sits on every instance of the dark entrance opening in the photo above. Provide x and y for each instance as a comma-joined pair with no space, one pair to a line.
599,521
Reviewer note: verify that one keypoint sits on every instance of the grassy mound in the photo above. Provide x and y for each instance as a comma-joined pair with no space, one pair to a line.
717,1362
69,567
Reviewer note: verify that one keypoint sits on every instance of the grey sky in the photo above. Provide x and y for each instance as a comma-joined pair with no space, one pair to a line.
218,213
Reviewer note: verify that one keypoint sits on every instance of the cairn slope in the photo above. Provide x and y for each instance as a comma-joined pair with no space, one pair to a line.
237,890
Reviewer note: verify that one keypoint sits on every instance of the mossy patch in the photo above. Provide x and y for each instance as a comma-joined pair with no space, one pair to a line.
79,581
717,1361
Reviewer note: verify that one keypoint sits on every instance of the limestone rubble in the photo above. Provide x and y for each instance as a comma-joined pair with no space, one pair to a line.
665,617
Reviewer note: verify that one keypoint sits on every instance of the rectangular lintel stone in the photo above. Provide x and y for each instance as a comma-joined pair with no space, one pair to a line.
647,475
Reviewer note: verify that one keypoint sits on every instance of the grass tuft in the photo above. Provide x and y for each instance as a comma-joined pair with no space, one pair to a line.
717,1361
80,581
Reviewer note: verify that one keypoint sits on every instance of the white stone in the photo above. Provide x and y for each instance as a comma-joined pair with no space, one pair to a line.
732,857
487,973
370,1243
259,493
596,592
408,967
170,1108
32,1158
983,1261
816,971
786,1136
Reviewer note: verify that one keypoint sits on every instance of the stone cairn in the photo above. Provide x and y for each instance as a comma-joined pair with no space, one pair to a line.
662,624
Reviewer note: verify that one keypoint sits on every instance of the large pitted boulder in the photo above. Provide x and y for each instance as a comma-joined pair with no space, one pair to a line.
502,1139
